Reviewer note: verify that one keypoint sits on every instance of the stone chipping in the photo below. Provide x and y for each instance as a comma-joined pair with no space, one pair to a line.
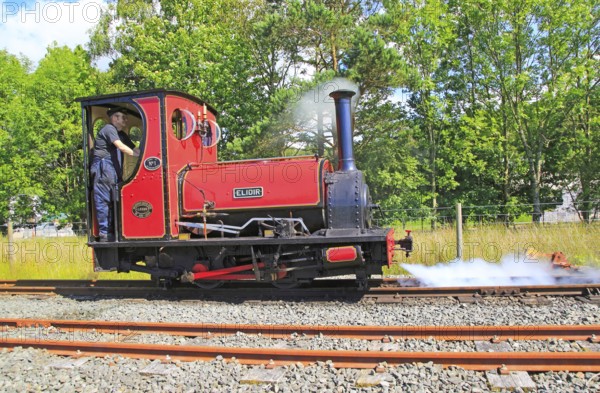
26,369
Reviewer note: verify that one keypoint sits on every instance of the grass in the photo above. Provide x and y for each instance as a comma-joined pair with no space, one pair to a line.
70,258
579,242
53,258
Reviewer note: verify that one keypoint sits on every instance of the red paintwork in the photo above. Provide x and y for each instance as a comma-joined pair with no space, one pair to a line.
181,153
222,272
197,268
232,277
284,182
95,230
390,246
341,254
146,185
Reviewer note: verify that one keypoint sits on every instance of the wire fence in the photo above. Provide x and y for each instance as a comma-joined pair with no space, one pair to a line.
508,215
30,231
418,218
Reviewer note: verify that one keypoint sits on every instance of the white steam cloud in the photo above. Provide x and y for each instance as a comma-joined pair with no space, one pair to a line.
511,271
317,100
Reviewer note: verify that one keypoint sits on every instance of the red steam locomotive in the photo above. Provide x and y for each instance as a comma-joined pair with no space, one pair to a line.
181,215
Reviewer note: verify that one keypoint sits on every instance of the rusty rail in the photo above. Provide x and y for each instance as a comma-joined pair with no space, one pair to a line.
526,361
447,333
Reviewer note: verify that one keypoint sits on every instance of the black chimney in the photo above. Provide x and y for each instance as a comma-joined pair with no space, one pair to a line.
343,118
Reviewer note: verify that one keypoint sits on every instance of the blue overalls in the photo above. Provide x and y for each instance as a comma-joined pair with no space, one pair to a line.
105,181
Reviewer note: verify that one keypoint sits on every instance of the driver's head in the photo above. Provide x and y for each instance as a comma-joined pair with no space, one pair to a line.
118,117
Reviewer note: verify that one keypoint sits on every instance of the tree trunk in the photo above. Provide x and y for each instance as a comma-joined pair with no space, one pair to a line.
334,59
535,194
584,208
433,179
505,161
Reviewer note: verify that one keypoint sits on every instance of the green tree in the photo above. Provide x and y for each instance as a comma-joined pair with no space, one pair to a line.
492,168
572,30
422,32
525,60
15,122
386,155
55,129
200,47
335,39
299,46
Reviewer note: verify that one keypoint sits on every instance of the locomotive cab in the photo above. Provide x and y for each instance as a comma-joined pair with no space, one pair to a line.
179,214
162,123
135,129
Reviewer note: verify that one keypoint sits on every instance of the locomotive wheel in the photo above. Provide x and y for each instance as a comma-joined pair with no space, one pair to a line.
208,284
285,284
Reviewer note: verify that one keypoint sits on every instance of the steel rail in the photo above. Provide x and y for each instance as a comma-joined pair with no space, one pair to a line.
511,361
76,287
506,290
76,283
319,288
447,333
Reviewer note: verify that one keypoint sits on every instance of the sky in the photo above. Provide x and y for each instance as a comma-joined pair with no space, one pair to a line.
29,27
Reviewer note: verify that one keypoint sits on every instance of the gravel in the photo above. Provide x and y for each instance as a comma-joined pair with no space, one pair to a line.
31,370
420,312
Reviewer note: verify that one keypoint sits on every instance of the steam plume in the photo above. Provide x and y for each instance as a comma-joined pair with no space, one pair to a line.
511,271
317,100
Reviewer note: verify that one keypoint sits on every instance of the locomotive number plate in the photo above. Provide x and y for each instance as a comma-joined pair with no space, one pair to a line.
249,192
142,209
152,163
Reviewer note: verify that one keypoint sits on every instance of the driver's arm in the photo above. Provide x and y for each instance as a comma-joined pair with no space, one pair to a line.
126,150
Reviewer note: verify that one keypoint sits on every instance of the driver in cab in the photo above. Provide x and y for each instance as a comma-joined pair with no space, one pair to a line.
106,169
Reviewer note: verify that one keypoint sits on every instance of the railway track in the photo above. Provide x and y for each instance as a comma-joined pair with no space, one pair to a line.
272,357
447,333
385,291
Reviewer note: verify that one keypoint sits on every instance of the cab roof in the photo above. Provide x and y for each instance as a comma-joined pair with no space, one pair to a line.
126,96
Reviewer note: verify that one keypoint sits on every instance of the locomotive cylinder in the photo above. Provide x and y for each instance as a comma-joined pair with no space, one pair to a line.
343,119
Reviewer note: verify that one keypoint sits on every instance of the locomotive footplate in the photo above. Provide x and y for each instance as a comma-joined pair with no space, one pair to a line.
372,235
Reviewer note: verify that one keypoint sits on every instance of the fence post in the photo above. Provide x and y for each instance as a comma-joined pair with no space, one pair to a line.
11,241
459,233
